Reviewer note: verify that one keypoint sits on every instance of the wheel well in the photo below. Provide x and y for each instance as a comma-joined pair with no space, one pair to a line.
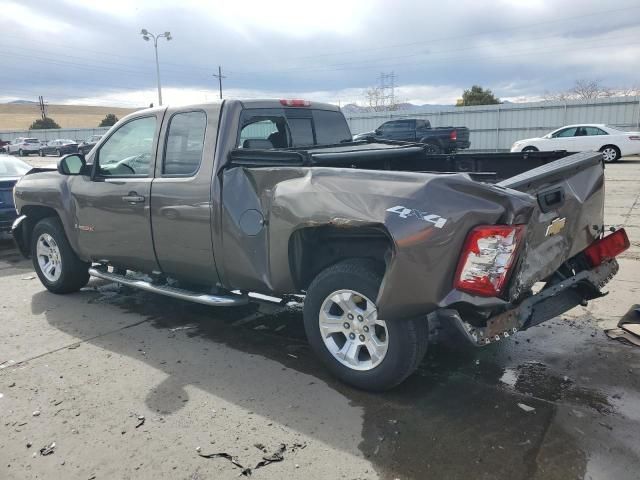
610,145
530,148
313,249
34,214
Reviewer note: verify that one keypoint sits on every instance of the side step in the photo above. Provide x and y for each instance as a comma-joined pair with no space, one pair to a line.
230,300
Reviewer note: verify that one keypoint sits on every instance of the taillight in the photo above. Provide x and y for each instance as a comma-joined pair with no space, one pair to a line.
487,256
295,103
634,137
607,248
453,135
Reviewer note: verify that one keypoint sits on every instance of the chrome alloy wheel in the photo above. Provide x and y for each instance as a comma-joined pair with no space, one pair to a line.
49,258
351,330
609,154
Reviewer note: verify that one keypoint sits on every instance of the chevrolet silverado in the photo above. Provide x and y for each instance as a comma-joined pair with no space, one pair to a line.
386,243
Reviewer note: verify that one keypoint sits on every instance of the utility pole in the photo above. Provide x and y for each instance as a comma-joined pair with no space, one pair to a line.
43,108
219,76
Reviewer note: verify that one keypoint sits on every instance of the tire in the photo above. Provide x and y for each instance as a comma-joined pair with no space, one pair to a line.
41,153
530,149
610,153
69,273
404,341
432,147
20,153
58,153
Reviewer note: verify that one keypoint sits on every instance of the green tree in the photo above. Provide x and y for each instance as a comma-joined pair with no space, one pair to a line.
109,120
43,123
477,95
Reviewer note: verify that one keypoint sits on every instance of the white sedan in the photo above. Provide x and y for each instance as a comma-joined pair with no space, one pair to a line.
612,142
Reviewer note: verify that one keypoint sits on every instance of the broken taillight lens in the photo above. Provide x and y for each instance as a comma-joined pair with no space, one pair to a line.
607,247
487,256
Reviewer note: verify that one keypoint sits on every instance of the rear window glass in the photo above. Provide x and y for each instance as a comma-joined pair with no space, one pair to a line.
301,131
291,127
331,127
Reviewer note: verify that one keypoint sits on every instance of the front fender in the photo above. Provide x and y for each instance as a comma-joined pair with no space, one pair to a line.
19,233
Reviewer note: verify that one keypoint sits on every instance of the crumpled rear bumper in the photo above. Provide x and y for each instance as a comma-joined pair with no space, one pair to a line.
545,305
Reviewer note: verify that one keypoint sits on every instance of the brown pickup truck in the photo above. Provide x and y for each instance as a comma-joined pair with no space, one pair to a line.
387,243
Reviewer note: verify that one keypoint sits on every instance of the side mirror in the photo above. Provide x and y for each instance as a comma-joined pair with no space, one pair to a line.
72,164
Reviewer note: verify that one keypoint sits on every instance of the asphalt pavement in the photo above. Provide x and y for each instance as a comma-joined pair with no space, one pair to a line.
134,385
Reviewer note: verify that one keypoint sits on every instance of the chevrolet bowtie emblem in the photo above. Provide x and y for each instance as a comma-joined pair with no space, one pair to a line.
556,226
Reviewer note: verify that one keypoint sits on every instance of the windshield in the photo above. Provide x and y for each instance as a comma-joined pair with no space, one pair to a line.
31,140
12,167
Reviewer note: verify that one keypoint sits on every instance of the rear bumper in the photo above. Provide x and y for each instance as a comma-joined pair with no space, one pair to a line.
545,305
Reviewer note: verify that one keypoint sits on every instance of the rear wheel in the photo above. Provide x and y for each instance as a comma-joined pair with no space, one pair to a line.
58,153
41,153
20,153
58,267
342,325
610,153
529,149
432,147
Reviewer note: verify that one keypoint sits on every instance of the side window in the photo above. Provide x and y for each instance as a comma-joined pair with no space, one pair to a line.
595,131
185,142
567,132
128,151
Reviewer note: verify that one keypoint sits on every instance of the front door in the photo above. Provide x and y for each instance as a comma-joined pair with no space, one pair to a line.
113,205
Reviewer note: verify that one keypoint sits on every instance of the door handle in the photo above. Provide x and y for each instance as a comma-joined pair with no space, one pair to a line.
133,198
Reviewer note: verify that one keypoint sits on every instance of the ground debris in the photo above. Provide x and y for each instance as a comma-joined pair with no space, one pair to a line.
276,456
244,471
526,408
141,421
184,327
48,449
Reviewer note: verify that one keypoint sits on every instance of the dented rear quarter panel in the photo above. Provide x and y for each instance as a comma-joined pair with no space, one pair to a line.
420,272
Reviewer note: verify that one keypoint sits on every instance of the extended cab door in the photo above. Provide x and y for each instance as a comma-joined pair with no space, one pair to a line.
181,211
112,205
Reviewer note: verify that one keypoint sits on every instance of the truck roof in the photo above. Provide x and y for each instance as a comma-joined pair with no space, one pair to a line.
250,103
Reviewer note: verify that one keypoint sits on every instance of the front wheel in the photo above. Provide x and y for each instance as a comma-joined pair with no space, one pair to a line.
342,325
20,153
58,267
610,153
529,149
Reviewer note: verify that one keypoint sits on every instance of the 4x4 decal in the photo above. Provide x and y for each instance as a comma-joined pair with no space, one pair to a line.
404,212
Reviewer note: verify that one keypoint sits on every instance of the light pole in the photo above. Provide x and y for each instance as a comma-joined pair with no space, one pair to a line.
146,34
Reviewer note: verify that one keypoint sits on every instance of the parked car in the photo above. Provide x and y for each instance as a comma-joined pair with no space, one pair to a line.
11,169
23,146
59,147
384,252
86,146
611,141
3,145
440,140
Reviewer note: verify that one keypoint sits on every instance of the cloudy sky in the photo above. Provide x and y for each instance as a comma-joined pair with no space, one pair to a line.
91,52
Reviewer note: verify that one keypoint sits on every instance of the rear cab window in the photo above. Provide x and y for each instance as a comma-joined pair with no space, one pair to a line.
265,128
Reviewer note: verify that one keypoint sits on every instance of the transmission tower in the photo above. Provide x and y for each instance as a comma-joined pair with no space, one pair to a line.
388,89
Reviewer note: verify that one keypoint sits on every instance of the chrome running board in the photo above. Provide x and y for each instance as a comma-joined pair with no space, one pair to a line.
230,300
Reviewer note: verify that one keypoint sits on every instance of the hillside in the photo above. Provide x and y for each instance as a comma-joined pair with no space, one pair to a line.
19,116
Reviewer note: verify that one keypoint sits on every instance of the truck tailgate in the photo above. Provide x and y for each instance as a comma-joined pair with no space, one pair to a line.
568,216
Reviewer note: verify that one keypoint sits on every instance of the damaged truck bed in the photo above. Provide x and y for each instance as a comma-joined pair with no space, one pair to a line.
212,203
